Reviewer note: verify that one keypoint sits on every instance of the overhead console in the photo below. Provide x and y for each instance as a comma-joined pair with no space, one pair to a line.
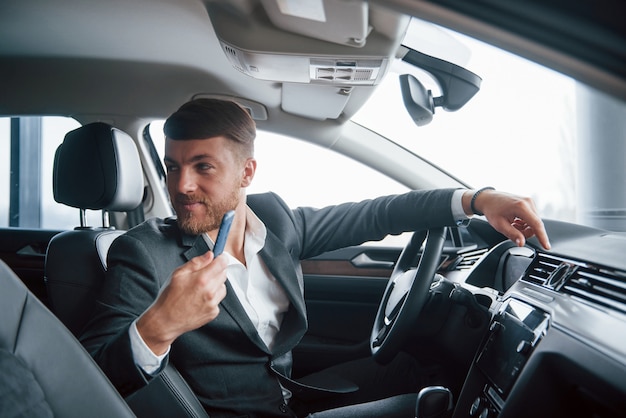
319,49
327,42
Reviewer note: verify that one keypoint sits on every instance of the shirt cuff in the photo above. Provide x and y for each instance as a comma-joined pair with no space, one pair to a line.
458,214
149,362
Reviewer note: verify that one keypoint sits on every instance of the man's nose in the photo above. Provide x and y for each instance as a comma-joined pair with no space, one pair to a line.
186,181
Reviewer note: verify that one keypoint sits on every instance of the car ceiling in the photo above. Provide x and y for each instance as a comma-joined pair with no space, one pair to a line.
124,60
140,58
116,57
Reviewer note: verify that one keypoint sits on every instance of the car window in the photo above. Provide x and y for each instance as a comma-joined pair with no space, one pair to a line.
26,163
311,175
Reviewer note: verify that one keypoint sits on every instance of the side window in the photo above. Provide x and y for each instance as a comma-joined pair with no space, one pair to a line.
27,148
304,174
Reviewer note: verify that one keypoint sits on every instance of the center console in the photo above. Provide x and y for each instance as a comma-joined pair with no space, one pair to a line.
514,332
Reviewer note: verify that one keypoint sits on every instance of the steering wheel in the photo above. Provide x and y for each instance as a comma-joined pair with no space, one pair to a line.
406,293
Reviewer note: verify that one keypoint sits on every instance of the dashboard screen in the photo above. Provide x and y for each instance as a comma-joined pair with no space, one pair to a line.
514,333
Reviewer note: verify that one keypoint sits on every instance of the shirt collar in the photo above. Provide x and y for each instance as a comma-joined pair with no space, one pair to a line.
255,234
254,238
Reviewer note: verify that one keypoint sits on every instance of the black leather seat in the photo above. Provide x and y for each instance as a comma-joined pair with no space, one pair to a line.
44,370
97,167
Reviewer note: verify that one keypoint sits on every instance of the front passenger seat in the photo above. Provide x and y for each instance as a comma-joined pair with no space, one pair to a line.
44,370
97,167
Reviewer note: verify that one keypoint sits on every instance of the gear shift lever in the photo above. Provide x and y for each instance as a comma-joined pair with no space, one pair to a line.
433,402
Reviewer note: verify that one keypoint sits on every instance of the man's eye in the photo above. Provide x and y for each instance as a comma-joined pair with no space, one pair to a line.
170,168
204,167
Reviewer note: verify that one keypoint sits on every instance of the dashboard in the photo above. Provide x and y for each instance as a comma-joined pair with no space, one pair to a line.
556,345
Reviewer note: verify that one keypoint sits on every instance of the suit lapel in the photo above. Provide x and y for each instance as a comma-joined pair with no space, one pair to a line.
279,262
194,245
231,304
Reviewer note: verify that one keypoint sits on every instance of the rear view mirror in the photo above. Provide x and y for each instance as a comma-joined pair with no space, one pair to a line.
417,100
458,85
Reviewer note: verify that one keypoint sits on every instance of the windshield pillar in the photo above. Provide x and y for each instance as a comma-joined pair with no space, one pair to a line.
601,152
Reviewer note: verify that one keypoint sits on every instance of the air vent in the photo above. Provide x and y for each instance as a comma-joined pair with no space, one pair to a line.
466,260
541,268
599,287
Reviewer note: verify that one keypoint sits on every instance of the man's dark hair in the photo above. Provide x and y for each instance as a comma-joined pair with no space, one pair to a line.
208,118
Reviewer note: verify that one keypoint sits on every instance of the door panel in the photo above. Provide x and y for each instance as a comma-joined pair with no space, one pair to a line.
24,250
343,289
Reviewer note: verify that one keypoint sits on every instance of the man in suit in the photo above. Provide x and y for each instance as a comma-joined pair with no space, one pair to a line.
229,323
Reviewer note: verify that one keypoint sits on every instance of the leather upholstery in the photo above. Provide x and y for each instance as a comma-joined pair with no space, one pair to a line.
75,266
71,382
98,167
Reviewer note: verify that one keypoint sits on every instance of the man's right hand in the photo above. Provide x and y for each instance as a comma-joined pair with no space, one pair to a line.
190,300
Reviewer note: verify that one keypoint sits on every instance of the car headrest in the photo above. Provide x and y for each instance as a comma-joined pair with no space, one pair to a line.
98,167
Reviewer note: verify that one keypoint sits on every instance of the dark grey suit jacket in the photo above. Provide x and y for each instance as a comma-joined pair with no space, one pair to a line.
225,362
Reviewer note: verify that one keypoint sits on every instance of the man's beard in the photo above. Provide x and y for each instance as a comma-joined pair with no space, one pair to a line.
193,224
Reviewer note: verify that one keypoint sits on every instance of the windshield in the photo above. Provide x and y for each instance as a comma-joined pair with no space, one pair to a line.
506,136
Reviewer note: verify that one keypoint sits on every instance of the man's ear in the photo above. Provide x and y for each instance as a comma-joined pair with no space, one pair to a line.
249,169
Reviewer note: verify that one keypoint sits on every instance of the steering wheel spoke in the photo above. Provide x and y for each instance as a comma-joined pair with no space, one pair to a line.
389,319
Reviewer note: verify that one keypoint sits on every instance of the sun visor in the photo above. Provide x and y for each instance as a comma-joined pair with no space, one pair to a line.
314,101
342,22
